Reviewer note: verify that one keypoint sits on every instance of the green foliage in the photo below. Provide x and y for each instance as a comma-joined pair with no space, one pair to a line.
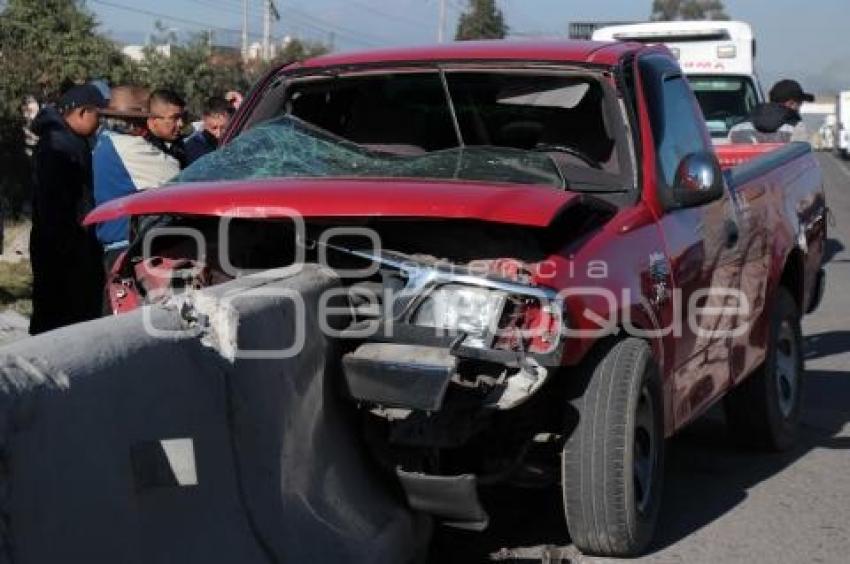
295,50
669,10
44,45
16,286
193,70
483,19
299,50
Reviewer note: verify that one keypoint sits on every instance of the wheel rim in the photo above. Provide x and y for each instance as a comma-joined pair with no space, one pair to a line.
645,451
786,372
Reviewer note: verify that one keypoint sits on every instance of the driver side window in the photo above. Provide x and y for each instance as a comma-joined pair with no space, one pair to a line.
676,119
682,132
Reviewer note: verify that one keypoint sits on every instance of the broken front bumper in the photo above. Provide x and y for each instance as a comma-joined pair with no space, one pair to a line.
417,377
409,385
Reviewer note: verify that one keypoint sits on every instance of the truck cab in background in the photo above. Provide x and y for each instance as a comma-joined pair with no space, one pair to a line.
718,58
842,125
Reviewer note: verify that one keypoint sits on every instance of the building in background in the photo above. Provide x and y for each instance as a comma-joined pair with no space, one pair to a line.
137,52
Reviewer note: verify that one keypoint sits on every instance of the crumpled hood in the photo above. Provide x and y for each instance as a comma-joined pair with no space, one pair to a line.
532,206
768,118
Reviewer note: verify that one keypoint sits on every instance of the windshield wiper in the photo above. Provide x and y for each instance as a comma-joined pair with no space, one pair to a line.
568,150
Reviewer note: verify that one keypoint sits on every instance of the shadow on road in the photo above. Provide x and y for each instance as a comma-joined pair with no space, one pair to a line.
832,248
707,475
827,344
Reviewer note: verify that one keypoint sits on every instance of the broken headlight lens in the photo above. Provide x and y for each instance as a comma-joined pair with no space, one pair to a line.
456,309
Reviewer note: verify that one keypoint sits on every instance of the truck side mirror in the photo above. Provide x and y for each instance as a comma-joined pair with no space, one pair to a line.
699,180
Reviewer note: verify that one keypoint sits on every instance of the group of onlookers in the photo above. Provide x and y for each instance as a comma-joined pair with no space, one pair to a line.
95,145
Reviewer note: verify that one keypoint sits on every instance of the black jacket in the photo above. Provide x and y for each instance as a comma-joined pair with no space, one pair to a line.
769,117
174,149
199,144
66,258
62,184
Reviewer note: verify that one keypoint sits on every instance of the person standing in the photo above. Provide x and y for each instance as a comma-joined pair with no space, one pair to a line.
777,121
67,277
125,162
216,118
166,117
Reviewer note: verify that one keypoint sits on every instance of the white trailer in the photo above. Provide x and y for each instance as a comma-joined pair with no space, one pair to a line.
718,58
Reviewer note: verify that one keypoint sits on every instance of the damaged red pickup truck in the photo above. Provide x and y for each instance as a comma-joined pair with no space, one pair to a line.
547,270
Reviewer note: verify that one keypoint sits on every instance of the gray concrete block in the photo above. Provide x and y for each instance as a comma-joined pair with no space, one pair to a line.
276,472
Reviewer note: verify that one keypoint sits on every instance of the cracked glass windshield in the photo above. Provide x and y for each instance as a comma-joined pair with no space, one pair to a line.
514,127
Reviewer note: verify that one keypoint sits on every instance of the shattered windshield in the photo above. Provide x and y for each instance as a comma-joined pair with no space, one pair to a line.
289,147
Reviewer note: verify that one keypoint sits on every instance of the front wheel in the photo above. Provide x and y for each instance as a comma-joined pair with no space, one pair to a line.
613,461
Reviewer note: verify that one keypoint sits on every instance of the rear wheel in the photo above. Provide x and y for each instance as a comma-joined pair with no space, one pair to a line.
764,410
613,461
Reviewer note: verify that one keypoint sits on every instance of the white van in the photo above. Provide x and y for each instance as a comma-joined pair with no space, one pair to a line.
718,58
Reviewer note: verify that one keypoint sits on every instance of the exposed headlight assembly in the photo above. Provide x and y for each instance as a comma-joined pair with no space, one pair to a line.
457,308
492,317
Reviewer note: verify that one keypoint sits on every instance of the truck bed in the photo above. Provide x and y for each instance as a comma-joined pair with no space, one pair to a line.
736,154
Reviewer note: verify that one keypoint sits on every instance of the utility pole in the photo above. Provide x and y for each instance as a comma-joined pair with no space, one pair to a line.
441,26
267,28
269,13
244,30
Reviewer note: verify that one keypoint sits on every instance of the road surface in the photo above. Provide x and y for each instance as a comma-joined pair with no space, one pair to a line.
723,504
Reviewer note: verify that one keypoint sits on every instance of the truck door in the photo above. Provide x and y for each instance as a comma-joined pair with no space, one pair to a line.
702,245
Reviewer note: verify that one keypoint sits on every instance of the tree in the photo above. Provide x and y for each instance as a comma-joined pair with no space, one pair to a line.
300,49
192,69
483,19
293,50
45,45
669,10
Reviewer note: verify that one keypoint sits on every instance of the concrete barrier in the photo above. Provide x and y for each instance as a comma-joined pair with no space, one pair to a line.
120,446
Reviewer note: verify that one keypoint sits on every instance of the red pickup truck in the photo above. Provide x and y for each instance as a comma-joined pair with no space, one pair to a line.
547,270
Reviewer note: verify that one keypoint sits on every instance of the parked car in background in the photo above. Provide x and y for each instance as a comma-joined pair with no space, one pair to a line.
842,126
826,134
718,58
565,275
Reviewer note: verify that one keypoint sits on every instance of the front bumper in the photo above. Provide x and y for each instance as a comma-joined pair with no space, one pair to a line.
425,400
399,376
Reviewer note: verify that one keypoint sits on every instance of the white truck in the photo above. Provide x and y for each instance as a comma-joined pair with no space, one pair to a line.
718,58
842,125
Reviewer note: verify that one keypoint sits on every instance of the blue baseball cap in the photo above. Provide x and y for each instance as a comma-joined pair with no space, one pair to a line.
85,95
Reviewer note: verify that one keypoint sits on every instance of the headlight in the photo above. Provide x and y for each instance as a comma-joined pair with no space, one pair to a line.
463,309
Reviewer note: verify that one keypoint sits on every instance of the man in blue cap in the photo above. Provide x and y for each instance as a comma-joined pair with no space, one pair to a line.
66,258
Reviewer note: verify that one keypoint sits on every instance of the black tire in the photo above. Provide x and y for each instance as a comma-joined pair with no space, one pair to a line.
613,460
764,410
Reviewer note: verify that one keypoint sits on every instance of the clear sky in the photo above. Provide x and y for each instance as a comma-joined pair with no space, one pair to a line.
806,40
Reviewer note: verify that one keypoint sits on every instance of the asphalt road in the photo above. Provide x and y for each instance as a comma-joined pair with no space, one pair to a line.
723,504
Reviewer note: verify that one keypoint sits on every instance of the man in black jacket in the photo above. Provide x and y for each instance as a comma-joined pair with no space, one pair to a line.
216,118
777,121
66,263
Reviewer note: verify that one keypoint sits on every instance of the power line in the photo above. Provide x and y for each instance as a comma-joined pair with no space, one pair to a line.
385,15
167,17
223,7
310,20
